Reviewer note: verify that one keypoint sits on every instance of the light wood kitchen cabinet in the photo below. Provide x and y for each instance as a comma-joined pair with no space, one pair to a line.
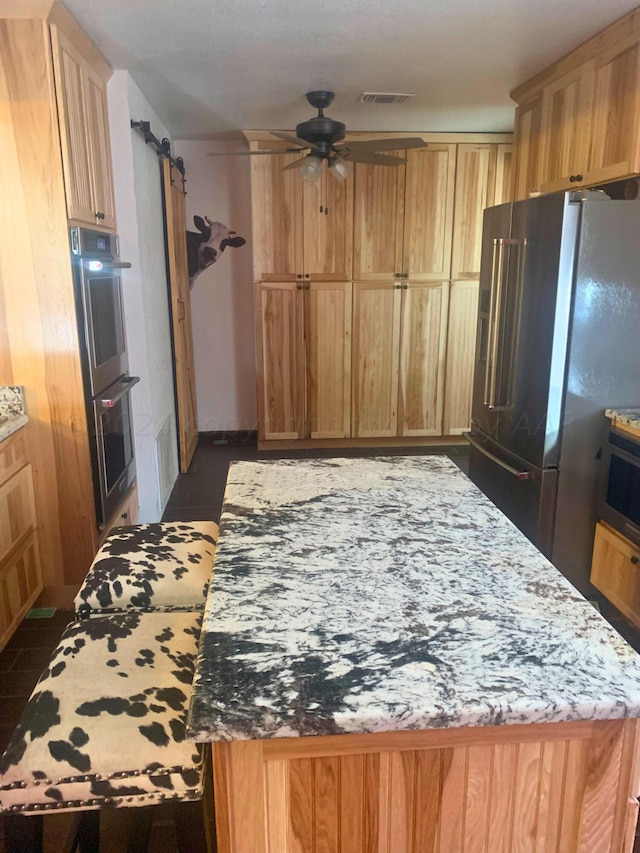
504,174
327,311
590,115
399,343
39,346
304,359
413,234
84,133
615,570
565,129
423,335
280,359
403,216
526,148
376,358
615,128
475,190
460,359
125,515
307,232
20,574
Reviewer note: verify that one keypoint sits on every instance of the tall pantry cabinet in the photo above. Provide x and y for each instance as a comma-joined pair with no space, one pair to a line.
54,148
366,291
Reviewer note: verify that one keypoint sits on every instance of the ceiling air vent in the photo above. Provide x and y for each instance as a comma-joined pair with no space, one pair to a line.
385,97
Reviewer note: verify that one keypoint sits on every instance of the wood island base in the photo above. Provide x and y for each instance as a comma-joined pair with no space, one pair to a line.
560,787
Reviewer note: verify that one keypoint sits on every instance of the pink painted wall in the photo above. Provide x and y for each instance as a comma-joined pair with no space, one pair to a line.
222,295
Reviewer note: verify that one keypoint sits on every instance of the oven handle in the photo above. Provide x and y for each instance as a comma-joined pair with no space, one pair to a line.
129,382
98,265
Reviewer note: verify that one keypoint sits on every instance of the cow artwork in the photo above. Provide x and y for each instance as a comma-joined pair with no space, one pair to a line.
204,248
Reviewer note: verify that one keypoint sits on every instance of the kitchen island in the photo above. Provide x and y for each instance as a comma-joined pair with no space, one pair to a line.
388,664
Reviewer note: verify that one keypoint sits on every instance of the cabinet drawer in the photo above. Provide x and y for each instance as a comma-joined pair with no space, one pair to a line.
615,571
125,514
17,510
13,455
20,585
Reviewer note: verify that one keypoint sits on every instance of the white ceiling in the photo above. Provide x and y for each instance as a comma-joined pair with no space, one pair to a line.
209,67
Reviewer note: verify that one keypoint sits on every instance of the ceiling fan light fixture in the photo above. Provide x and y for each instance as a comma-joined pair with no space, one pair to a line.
311,169
341,169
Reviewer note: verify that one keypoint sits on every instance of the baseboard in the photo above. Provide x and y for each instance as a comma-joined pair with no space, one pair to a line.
233,438
318,443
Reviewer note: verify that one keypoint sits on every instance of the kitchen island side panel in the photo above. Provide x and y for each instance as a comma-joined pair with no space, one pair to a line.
561,786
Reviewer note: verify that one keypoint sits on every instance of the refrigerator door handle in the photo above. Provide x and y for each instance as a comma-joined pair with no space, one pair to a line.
495,302
520,475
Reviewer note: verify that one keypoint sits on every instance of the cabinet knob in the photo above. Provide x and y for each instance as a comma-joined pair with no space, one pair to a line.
635,560
124,516
579,177
397,275
299,275
99,214
306,275
405,287
299,286
397,286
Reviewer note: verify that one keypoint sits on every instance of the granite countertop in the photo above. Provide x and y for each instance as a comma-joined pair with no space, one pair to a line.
12,411
382,594
625,417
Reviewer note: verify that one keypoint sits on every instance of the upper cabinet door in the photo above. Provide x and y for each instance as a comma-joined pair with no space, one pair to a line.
277,216
379,220
615,129
565,129
71,84
98,132
428,212
527,149
327,218
475,179
504,174
84,135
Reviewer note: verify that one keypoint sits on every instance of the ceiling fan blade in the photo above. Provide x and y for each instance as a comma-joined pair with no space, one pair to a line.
372,157
288,138
251,153
295,165
384,144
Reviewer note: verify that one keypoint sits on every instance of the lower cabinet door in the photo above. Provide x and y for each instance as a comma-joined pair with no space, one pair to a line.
422,357
280,360
328,373
20,585
615,571
376,349
461,352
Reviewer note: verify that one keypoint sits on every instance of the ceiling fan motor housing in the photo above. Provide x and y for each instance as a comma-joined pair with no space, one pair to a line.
321,132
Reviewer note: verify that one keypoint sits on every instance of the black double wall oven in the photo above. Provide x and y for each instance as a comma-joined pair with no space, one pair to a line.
107,384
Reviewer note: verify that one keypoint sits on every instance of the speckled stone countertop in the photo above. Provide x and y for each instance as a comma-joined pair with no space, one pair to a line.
380,594
625,417
12,412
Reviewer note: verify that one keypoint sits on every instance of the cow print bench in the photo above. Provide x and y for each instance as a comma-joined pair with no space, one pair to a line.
150,567
105,724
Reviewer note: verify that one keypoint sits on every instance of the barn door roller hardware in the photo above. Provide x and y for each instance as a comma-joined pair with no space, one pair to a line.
163,148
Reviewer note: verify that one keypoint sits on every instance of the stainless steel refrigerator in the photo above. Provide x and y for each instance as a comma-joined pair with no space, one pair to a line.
558,341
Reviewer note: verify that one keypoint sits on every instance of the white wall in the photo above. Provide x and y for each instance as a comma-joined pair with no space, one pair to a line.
222,295
136,172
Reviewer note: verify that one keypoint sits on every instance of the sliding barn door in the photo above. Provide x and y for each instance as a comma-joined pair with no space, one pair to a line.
184,370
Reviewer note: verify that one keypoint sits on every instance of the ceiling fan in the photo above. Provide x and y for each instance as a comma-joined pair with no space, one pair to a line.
321,135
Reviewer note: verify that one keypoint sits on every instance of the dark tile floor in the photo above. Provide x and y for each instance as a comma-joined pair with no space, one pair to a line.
196,495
